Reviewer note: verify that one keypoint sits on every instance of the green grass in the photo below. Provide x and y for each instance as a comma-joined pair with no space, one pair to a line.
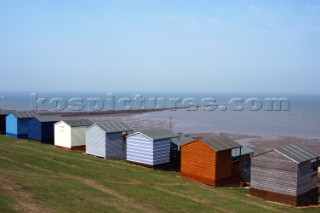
7,203
69,181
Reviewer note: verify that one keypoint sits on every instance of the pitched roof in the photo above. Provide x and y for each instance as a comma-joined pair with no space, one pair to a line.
219,142
80,122
244,151
45,118
24,114
156,134
111,127
296,153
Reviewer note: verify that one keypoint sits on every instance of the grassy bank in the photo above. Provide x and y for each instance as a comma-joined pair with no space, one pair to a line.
36,177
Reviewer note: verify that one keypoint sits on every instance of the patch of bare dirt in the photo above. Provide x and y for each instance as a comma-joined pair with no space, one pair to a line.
92,184
221,209
25,202
26,164
112,192
229,196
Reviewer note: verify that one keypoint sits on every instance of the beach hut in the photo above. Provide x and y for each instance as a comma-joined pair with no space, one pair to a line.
41,128
208,160
17,123
3,115
150,147
70,134
245,161
107,140
287,174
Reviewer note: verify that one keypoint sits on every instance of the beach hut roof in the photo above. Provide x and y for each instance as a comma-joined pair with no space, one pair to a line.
4,112
244,151
24,114
80,122
182,140
45,118
112,127
259,150
296,153
156,134
218,142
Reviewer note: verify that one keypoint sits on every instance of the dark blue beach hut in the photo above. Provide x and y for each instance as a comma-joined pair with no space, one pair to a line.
3,115
41,128
17,123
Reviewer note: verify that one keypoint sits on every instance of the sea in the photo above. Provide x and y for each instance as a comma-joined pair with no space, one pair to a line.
267,115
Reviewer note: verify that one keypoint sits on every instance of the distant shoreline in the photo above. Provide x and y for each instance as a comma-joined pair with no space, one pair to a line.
109,112
141,123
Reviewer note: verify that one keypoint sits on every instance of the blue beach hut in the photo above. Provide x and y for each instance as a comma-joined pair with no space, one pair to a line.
150,147
41,128
17,123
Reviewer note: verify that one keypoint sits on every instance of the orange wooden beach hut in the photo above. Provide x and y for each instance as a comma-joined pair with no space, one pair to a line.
208,160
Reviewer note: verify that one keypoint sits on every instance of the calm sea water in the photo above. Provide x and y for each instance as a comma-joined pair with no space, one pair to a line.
302,120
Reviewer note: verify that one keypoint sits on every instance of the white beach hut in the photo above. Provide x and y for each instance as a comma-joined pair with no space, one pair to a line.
70,134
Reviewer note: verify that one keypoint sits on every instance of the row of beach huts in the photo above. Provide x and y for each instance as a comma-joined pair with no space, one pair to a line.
287,174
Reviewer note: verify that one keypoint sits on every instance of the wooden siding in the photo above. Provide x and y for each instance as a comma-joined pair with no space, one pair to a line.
306,180
96,141
161,151
198,162
201,163
140,149
274,172
305,199
224,165
143,150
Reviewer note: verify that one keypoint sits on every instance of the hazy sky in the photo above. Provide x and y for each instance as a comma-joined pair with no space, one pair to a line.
153,45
